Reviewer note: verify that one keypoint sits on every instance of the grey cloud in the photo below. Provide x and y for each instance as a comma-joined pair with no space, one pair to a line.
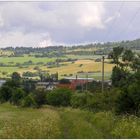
61,22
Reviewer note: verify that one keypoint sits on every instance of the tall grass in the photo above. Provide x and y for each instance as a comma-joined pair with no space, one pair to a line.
36,128
84,124
127,127
50,122
28,123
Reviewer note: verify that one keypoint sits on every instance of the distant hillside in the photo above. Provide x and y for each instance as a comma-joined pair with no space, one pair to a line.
135,44
88,49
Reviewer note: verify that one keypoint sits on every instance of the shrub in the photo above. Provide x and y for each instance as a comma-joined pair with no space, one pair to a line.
96,101
5,93
120,77
39,98
16,78
78,100
29,101
129,100
59,97
17,96
103,101
95,86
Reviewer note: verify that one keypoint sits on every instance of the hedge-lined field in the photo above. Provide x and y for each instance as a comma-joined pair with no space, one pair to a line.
19,65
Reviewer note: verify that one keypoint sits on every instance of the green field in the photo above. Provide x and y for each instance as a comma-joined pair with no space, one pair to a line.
50,122
65,68
26,58
84,56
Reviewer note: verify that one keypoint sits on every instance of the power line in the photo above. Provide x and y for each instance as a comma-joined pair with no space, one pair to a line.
135,35
103,74
130,22
114,22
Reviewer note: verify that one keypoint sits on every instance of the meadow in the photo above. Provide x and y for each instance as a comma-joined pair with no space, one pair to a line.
84,64
53,122
25,58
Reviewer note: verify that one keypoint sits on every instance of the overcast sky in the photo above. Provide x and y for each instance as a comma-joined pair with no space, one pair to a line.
54,23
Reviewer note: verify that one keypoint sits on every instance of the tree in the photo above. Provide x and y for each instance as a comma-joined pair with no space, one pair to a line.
115,54
129,100
128,57
16,78
120,77
5,93
17,96
136,64
10,83
28,86
29,101
39,97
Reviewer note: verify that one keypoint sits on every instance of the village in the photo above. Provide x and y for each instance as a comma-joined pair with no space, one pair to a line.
68,82
52,82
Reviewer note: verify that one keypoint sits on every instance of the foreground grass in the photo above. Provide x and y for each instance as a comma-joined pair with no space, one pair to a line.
28,123
50,122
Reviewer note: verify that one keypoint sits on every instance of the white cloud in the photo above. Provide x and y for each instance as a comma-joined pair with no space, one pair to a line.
49,23
21,20
87,14
46,43
92,15
19,39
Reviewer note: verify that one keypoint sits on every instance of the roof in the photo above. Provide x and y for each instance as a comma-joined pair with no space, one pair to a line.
46,83
74,78
2,82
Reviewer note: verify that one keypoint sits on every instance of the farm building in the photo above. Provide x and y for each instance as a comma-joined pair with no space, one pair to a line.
46,85
2,82
74,82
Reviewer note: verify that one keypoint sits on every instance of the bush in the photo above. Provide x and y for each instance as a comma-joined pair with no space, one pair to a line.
78,100
129,100
29,101
17,96
103,101
95,86
39,98
97,101
16,78
59,97
5,93
120,77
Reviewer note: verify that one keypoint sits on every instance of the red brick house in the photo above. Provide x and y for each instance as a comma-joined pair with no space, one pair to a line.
74,82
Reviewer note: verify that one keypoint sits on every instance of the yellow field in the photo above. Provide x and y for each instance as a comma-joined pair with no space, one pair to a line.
69,68
88,65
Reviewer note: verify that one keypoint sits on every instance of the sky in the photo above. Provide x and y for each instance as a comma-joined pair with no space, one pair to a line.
42,24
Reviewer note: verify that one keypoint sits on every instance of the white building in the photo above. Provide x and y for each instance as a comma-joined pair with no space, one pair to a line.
2,82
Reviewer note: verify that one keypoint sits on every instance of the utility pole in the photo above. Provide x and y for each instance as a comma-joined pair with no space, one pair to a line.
87,82
103,74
